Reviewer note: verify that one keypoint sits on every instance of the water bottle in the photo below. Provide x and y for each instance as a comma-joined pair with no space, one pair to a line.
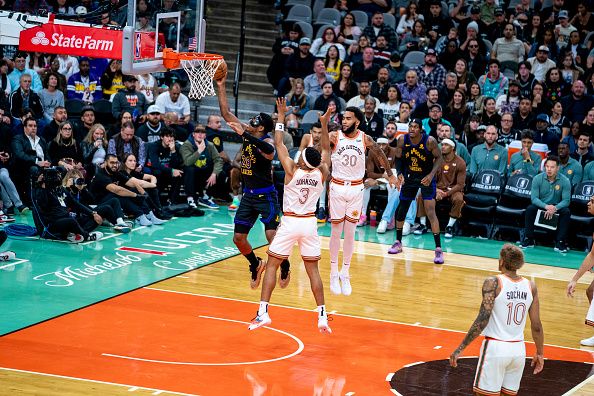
372,216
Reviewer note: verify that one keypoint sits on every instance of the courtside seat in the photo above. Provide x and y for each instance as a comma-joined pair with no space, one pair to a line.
482,198
582,223
511,209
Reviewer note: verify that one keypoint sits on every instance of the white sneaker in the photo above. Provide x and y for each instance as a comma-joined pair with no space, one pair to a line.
381,228
345,285
335,284
95,236
144,221
259,321
406,228
154,219
8,255
75,238
588,342
192,203
323,325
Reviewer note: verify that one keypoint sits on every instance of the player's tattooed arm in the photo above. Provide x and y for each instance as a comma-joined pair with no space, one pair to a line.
381,156
489,294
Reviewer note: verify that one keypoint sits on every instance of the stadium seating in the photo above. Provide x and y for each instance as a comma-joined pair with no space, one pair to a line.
482,199
511,208
581,221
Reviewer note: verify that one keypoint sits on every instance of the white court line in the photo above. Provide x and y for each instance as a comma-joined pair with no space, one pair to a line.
338,314
17,262
297,352
579,386
95,381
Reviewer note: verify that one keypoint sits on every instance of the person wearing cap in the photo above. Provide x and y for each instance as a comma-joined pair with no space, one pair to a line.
84,85
508,48
379,28
431,123
150,130
420,159
509,102
474,21
496,27
525,161
489,155
543,135
431,73
450,180
298,65
475,137
541,63
571,168
396,69
564,29
129,99
494,83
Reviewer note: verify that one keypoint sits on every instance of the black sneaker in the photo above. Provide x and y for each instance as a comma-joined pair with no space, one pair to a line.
449,232
256,273
285,274
527,243
23,209
9,211
422,229
561,247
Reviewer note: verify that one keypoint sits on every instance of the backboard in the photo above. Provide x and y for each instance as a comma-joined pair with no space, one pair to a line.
178,25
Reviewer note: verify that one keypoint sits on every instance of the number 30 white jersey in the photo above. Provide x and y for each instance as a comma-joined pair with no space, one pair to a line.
302,193
348,157
508,317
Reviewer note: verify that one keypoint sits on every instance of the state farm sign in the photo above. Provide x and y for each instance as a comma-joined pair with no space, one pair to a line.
73,40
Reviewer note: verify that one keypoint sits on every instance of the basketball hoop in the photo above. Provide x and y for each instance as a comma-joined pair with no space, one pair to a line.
200,68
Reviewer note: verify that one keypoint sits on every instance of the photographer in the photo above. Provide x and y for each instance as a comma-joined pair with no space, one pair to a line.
51,212
76,188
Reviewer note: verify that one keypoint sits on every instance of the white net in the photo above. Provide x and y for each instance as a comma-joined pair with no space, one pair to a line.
201,73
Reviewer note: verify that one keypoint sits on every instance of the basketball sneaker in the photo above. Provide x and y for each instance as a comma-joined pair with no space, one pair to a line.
396,248
323,325
234,205
75,238
335,284
95,236
7,255
285,276
257,273
588,342
362,221
421,230
321,215
381,228
406,228
438,256
345,285
259,321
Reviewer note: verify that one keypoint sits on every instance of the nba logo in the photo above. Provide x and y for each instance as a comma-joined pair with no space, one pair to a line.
522,183
137,41
587,190
487,180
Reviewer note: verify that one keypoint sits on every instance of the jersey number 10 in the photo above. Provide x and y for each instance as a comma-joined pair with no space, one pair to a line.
516,312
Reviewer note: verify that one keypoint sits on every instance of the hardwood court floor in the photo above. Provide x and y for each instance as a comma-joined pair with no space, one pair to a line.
181,323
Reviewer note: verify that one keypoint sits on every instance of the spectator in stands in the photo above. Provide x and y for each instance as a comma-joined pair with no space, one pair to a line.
578,103
345,87
465,76
450,181
473,23
570,72
564,29
476,62
175,101
403,117
582,20
320,46
379,87
364,93
20,61
322,101
456,112
555,86
494,83
390,131
525,161
582,154
588,123
129,99
579,53
347,33
508,103
143,22
431,123
422,109
366,69
313,82
541,63
355,52
5,88
408,18
50,96
372,123
558,123
508,48
8,191
415,40
62,81
372,8
116,127
507,133
447,91
112,79
540,103
94,149
568,166
87,120
381,55
525,78
445,131
25,98
126,143
64,150
523,116
476,100
489,155
147,84
298,65
298,101
166,163
543,135
551,194
379,28
391,106
412,91
573,137
437,23
150,131
431,73
202,168
68,65
282,49
28,150
83,85
332,62
50,131
450,53
396,69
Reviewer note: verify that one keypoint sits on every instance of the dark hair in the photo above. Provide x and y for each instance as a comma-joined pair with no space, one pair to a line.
267,122
28,119
128,124
584,133
326,82
554,158
313,156
59,108
527,134
526,64
166,131
494,61
316,124
356,111
429,89
108,156
19,54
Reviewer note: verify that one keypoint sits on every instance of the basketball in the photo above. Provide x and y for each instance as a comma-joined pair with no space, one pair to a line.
221,71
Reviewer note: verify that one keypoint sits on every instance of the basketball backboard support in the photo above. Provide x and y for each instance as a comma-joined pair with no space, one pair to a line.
174,25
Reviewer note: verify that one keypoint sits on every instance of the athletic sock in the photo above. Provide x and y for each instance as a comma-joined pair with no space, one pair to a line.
451,222
348,247
263,308
423,220
345,269
437,239
399,234
254,262
335,246
321,311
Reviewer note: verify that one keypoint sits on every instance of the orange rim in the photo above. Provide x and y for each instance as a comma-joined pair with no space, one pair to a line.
171,59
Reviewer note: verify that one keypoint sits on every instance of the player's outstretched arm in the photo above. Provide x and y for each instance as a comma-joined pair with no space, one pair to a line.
223,104
384,162
437,162
537,331
325,143
283,154
482,319
586,266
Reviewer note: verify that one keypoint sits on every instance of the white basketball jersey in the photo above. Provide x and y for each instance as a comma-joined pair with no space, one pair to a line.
510,310
348,157
302,192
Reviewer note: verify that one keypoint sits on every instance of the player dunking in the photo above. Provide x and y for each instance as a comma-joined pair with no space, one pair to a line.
420,158
304,183
259,195
507,298
586,266
346,191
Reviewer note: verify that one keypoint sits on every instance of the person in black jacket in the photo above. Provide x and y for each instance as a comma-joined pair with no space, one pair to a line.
22,95
166,163
150,131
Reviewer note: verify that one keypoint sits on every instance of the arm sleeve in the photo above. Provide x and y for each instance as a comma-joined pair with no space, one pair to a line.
261,145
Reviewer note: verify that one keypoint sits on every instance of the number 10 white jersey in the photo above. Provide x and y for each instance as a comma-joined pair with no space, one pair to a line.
302,193
348,157
508,317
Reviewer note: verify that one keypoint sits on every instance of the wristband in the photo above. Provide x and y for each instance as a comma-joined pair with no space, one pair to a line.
280,126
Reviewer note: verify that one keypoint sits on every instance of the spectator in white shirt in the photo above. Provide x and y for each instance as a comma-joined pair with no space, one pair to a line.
175,101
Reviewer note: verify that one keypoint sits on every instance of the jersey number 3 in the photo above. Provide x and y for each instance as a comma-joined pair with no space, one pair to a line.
304,195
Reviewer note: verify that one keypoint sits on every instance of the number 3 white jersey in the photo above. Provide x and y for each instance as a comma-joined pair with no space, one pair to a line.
348,157
302,193
508,318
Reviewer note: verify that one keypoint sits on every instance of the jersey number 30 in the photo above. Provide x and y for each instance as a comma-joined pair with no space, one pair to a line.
516,313
349,160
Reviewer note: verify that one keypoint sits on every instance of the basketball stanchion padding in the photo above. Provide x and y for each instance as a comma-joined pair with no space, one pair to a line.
200,67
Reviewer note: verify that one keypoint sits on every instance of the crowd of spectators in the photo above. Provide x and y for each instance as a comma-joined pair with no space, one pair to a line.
485,77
